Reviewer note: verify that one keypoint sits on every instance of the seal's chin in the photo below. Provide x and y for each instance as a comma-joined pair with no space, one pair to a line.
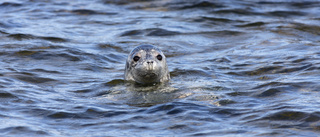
149,75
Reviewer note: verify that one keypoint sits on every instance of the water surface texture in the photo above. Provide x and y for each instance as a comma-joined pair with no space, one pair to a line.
238,68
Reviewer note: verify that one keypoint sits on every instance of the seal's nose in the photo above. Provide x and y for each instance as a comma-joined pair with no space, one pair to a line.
150,65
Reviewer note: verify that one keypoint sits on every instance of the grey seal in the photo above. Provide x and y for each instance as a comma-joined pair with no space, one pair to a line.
146,64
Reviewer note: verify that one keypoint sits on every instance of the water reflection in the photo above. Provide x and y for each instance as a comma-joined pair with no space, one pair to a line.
135,94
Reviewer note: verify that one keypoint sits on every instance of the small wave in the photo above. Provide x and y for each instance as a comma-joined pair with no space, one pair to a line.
196,4
91,12
29,36
150,32
10,4
269,93
6,95
23,130
286,13
29,77
179,72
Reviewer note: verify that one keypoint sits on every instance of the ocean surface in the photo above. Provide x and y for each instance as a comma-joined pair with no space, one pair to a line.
238,68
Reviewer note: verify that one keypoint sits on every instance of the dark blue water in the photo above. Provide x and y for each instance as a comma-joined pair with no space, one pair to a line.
238,68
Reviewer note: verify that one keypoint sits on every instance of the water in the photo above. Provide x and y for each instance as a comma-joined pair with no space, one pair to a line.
238,68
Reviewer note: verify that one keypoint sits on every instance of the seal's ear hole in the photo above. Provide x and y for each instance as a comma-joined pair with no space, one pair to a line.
136,58
159,57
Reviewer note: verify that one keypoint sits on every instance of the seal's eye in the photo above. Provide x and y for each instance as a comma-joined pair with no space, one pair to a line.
159,57
136,58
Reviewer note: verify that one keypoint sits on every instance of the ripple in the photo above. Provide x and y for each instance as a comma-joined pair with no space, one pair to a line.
287,115
179,72
6,95
46,71
209,21
91,12
174,108
150,32
269,93
313,29
276,69
109,47
198,4
237,93
294,69
263,70
115,82
293,119
54,39
287,13
84,12
223,33
23,130
89,114
237,11
21,36
304,4
161,32
161,108
46,54
254,24
63,115
225,102
30,78
94,90
29,36
167,5
10,4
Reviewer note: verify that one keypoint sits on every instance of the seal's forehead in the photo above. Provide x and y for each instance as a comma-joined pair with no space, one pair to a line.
146,48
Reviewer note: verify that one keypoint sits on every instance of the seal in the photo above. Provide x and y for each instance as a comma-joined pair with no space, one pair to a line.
146,64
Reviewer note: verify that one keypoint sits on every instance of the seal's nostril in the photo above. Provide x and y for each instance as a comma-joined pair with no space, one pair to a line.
149,62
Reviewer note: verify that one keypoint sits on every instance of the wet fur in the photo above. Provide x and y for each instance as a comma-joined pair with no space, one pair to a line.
137,71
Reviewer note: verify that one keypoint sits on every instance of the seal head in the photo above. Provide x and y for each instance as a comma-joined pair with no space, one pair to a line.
146,64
